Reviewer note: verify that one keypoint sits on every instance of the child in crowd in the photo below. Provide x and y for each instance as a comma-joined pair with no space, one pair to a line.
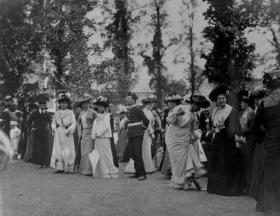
15,138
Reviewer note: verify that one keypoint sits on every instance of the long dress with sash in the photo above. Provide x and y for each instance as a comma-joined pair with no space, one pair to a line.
180,142
84,124
63,154
102,134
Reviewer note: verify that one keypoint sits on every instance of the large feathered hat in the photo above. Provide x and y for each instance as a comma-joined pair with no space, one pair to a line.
200,101
219,90
244,95
102,101
64,97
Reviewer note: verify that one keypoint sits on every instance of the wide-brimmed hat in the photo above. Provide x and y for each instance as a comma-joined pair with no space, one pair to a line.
271,75
83,100
244,95
64,97
219,90
173,98
200,101
259,92
102,101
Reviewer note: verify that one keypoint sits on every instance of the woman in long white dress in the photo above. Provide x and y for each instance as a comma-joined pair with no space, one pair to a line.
102,134
181,141
63,126
149,163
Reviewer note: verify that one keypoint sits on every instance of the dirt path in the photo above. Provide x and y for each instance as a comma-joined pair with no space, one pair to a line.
29,191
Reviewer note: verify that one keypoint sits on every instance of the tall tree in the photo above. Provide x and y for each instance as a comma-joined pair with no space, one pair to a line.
119,34
187,46
231,59
18,44
156,68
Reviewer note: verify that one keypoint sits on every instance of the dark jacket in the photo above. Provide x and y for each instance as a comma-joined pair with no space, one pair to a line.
39,120
136,115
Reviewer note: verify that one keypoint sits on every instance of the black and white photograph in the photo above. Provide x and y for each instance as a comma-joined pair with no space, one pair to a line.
139,107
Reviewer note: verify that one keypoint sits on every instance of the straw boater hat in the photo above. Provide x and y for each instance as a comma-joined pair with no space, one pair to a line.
149,99
102,101
173,98
13,123
200,101
220,90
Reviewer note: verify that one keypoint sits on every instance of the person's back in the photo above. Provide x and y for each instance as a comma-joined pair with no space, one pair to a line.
269,117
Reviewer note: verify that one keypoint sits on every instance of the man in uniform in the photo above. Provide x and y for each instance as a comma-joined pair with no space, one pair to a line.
40,123
137,122
268,118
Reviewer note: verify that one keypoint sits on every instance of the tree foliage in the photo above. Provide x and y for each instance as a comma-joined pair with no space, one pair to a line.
231,58
117,71
18,44
60,24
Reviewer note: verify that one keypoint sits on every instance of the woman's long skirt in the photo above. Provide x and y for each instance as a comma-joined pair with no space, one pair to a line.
63,154
28,156
105,167
256,186
86,148
149,163
184,157
122,144
227,175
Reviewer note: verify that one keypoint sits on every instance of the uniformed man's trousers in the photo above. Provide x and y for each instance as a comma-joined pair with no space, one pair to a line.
136,154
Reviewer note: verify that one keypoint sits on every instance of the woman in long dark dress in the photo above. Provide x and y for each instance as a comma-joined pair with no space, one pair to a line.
256,184
268,118
226,175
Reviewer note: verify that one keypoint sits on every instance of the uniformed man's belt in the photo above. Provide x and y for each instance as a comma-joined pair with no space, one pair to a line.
134,124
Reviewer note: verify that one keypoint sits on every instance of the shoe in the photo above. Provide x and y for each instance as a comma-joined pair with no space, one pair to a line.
142,178
197,185
134,176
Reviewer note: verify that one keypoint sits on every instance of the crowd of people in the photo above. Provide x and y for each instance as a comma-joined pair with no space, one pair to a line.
237,148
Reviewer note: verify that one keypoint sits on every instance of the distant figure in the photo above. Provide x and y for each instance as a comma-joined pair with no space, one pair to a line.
15,138
40,122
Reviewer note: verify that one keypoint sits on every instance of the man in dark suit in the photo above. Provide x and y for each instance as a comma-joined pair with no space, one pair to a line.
137,122
39,123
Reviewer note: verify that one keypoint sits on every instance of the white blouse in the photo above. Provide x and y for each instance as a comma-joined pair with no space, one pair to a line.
101,126
219,116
